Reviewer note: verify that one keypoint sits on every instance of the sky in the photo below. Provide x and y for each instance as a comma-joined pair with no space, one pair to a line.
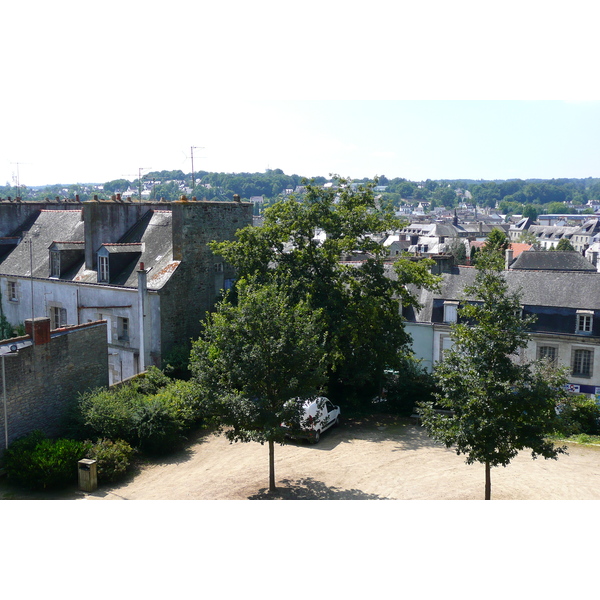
435,91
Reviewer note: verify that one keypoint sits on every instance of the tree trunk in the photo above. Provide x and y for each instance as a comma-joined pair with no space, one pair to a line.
488,482
272,487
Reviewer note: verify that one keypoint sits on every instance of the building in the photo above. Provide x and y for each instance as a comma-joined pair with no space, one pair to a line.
564,300
144,268
43,372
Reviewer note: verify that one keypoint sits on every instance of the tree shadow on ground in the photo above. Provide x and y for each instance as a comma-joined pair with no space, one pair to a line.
309,489
380,428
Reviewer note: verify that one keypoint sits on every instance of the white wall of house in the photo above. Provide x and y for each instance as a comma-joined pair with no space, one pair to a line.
70,303
422,344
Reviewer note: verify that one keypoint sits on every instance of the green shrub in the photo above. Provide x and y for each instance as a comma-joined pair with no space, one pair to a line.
406,387
152,422
150,382
581,414
37,462
110,413
112,458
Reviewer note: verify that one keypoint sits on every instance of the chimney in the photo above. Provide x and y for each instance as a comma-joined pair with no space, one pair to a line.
509,258
236,198
38,329
76,197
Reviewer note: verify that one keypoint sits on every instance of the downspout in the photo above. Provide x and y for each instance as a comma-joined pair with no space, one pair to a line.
142,292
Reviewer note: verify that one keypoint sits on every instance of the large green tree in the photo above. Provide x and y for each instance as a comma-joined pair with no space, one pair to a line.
499,405
324,249
253,358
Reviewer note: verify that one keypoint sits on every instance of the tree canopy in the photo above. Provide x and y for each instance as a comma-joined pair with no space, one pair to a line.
324,250
499,404
254,358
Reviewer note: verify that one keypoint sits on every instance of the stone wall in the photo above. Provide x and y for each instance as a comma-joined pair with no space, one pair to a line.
195,286
43,380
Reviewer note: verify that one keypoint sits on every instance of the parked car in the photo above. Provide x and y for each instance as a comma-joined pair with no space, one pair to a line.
318,415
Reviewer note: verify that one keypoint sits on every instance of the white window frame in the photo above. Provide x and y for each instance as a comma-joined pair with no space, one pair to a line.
585,321
450,311
58,317
123,329
548,351
54,263
13,291
103,273
578,360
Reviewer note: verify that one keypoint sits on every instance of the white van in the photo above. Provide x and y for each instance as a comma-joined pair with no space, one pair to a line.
319,414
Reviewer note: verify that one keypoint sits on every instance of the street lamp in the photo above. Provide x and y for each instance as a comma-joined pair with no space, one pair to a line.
13,352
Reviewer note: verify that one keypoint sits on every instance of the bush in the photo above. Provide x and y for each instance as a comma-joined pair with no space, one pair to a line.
152,422
37,462
150,382
581,414
112,458
405,388
110,413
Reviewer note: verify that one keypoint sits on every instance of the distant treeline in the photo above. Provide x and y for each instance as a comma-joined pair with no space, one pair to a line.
509,196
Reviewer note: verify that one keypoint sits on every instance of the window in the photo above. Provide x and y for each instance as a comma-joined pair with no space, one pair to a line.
123,328
584,321
218,267
12,291
450,312
548,352
54,264
103,269
582,363
58,317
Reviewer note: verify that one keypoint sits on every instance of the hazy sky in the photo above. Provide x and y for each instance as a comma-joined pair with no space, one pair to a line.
439,90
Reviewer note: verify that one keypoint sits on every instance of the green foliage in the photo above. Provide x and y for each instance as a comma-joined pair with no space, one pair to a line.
500,406
564,245
37,462
112,458
358,302
177,362
150,382
496,243
253,358
152,415
579,414
405,388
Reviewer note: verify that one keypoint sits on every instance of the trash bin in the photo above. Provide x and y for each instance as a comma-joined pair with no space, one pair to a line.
88,474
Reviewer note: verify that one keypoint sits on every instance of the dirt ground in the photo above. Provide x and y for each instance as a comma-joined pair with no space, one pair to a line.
372,459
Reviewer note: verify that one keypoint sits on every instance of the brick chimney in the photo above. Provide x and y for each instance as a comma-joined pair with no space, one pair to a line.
38,329
509,258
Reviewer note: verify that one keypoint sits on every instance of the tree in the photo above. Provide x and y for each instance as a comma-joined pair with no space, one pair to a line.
496,242
564,245
359,302
498,405
253,359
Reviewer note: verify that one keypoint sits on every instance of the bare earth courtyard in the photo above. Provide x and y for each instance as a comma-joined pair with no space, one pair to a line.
377,459
374,459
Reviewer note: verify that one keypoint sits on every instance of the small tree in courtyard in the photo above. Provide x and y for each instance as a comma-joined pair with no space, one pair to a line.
253,359
499,406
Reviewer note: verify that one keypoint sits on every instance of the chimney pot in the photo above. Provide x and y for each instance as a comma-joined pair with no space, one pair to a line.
38,329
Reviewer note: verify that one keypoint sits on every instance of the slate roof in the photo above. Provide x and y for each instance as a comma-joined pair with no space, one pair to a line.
567,289
148,241
552,261
45,228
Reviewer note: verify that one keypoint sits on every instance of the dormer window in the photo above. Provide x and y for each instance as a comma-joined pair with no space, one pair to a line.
450,312
103,269
585,319
54,263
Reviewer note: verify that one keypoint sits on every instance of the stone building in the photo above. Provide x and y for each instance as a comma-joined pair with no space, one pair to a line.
559,288
43,372
144,268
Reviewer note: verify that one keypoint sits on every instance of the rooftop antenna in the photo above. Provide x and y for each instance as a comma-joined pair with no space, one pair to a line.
16,179
192,148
